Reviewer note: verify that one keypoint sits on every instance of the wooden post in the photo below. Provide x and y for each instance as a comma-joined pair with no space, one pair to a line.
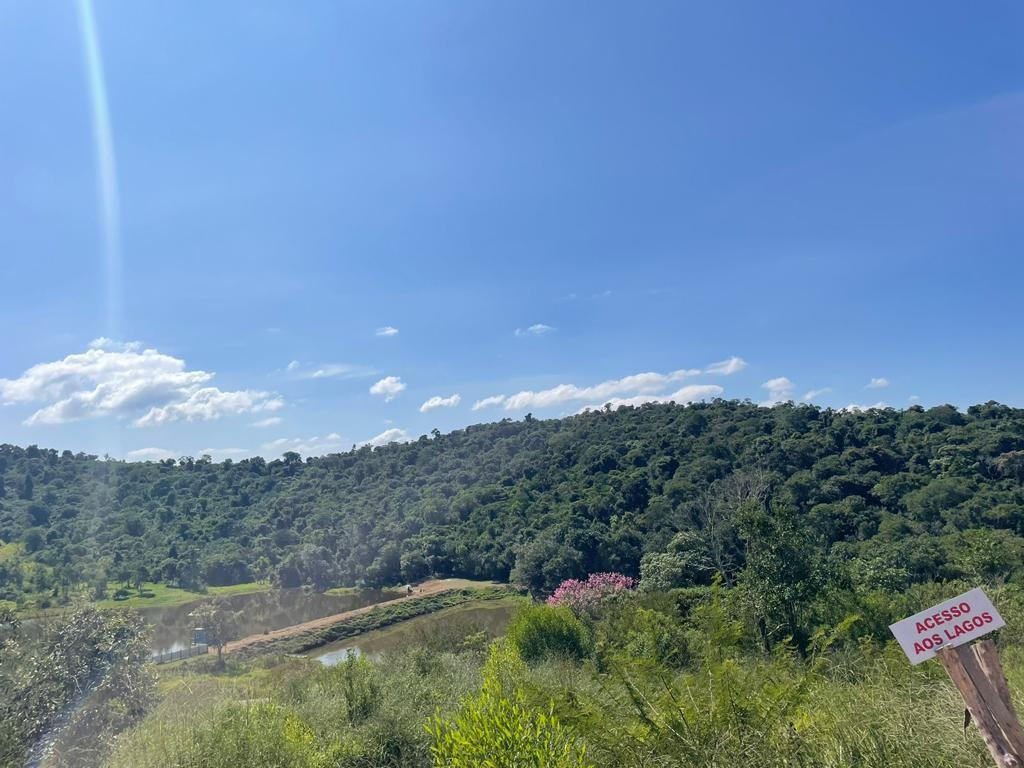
978,675
989,682
988,657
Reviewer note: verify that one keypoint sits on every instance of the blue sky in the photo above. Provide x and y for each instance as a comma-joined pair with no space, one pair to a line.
559,203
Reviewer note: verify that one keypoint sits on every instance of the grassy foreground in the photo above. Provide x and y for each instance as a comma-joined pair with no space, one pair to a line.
292,712
629,687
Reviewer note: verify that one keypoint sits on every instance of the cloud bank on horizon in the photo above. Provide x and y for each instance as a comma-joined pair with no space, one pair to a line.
141,387
125,381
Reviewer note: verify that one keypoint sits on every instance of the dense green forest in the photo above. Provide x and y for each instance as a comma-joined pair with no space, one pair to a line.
888,498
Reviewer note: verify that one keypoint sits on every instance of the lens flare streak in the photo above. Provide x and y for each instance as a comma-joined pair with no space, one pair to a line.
106,166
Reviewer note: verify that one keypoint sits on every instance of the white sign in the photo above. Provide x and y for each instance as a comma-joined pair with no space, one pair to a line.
947,624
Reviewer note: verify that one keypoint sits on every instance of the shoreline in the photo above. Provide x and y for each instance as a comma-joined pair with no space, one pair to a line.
301,638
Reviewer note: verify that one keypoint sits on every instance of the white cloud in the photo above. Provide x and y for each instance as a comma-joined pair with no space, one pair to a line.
387,330
688,394
855,408
914,398
727,367
537,329
115,346
151,454
488,401
637,384
393,435
813,393
440,402
779,390
878,383
120,380
308,446
339,371
328,370
270,421
210,403
389,386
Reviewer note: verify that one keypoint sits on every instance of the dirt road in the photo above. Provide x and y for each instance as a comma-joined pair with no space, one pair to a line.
432,587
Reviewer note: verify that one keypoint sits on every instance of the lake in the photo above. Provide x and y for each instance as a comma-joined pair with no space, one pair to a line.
451,624
171,626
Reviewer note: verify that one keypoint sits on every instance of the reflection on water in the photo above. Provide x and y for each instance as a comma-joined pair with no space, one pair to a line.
171,627
445,628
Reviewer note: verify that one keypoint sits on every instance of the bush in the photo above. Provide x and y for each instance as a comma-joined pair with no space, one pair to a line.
496,730
586,597
544,631
642,633
102,652
361,715
261,735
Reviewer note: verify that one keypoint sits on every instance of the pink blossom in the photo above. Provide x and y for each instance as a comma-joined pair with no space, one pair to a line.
584,596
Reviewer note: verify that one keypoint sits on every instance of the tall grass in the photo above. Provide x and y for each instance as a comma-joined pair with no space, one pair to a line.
854,704
768,713
867,711
297,712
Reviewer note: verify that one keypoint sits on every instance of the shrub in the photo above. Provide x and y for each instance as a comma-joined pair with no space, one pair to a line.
362,695
642,633
545,631
586,596
495,729
260,735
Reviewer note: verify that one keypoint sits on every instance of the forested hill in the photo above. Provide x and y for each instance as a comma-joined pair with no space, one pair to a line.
899,496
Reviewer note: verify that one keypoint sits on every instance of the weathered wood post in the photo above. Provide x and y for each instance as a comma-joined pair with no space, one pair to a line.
990,710
945,630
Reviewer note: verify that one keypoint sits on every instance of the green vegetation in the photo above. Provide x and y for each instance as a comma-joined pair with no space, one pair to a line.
378,617
70,685
641,678
772,548
848,700
341,591
220,621
496,728
541,632
288,712
163,595
896,497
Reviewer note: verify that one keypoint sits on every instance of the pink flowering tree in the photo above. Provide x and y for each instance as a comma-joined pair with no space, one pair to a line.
584,597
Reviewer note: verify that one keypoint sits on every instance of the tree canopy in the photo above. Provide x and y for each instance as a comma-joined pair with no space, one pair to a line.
897,496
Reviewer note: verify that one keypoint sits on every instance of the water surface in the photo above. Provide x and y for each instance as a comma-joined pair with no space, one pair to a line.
171,626
444,627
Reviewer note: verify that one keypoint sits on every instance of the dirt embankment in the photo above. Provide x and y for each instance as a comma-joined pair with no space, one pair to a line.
426,589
